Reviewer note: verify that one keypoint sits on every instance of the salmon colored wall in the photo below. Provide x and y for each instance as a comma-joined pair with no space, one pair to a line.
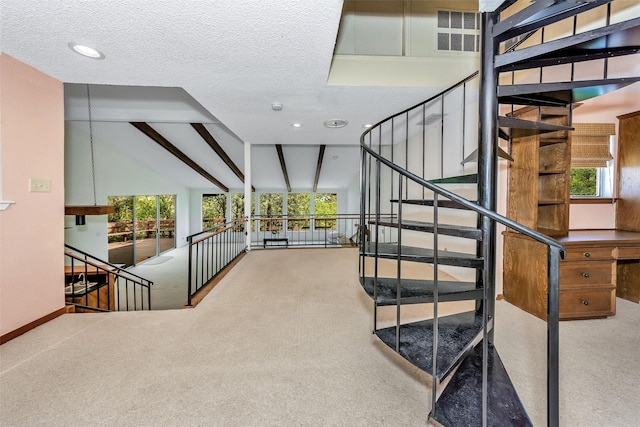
32,229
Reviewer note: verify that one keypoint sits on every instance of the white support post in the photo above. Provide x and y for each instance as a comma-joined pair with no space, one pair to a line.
247,192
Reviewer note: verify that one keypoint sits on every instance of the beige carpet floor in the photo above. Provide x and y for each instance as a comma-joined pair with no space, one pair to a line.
285,340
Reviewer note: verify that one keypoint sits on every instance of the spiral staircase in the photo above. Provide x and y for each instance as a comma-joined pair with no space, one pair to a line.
428,203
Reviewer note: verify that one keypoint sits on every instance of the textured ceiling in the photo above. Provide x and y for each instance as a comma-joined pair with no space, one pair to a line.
234,58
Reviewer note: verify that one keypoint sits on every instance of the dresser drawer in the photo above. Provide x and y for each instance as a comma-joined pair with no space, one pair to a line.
587,273
629,253
577,254
585,303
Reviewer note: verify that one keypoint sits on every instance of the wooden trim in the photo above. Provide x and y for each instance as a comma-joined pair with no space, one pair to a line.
592,201
88,210
209,139
628,115
283,166
162,141
26,328
318,167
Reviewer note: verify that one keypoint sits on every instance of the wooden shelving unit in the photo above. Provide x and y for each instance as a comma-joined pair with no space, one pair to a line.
539,175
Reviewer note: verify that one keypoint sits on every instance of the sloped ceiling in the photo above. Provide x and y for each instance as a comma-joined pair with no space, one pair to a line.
221,63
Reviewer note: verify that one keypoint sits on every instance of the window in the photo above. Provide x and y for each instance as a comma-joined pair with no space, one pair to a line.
298,211
140,227
237,209
591,165
584,182
271,207
458,31
325,210
214,210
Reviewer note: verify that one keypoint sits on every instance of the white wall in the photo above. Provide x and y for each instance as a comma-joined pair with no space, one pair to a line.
603,109
117,174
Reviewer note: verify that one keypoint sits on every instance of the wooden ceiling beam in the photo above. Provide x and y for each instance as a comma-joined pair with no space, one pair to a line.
162,141
209,139
283,166
318,167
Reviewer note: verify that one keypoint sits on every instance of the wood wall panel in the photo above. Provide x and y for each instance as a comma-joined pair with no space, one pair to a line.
628,207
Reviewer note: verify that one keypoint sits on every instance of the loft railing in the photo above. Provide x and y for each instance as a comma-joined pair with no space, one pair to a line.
305,230
92,284
389,177
210,251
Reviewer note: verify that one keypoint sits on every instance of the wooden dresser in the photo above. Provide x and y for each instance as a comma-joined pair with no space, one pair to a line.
598,264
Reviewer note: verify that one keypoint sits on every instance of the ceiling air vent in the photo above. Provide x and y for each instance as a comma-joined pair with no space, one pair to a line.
335,123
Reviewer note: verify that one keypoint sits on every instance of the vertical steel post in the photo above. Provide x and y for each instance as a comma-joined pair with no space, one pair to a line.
189,244
487,180
553,336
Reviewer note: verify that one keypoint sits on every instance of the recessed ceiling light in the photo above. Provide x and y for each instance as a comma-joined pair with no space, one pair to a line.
367,126
296,125
335,123
276,106
87,51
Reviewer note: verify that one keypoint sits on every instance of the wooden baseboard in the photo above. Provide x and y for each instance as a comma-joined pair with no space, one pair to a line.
26,328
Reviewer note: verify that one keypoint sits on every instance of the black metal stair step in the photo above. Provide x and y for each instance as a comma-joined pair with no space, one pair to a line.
473,157
429,227
460,404
425,255
456,334
418,291
560,93
619,39
521,128
460,179
449,204
539,14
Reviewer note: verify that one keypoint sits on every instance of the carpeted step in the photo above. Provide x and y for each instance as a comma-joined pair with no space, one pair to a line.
425,255
460,404
429,227
456,334
418,291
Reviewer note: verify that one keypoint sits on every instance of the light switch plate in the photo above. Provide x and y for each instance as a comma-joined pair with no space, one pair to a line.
39,185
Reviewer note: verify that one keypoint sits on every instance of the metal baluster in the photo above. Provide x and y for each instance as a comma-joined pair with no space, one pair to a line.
436,320
399,264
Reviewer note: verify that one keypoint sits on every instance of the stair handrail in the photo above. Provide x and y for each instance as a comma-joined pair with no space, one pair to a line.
113,268
124,298
542,238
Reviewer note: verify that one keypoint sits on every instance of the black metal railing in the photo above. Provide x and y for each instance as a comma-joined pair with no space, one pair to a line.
386,181
92,284
210,251
305,230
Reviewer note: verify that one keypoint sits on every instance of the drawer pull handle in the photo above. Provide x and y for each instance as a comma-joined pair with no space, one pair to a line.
585,302
585,275
587,254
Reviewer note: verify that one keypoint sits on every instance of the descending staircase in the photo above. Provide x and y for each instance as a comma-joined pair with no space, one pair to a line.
404,173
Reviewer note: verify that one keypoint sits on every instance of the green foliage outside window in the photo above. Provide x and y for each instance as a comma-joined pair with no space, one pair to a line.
325,206
214,210
584,182
271,205
298,210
